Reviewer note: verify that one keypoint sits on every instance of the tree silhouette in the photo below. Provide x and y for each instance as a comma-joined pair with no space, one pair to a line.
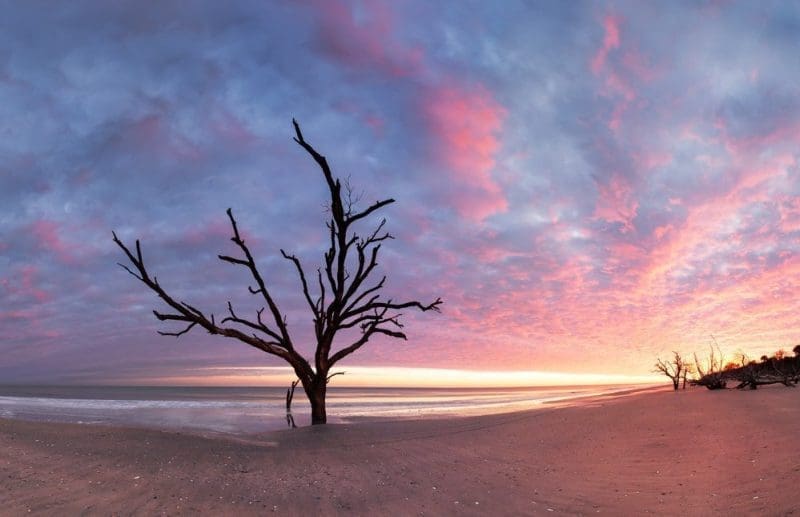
712,374
771,370
344,299
675,369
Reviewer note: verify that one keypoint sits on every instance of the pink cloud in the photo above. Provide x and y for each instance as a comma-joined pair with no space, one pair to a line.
463,120
364,39
712,246
616,202
649,160
620,75
209,233
610,42
367,116
231,129
790,214
661,231
465,124
16,315
785,132
25,284
48,239
637,65
153,132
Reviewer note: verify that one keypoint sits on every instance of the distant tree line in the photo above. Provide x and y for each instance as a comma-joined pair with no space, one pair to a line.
780,368
715,373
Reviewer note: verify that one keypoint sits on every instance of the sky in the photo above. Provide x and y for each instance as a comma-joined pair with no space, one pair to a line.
586,185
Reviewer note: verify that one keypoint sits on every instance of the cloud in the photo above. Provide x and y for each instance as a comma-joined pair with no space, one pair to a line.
362,36
611,40
616,202
466,126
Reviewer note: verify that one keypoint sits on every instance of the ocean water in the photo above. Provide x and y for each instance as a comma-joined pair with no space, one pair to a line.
258,409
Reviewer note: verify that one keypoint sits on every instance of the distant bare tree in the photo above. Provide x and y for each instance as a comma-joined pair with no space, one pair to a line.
674,369
343,299
711,373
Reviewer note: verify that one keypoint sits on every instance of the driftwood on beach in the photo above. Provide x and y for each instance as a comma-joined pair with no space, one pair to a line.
715,373
771,370
780,368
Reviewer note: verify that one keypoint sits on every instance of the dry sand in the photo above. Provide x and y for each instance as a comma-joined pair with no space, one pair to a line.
687,453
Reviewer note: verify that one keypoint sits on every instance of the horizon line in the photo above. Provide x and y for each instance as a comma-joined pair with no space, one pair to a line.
373,377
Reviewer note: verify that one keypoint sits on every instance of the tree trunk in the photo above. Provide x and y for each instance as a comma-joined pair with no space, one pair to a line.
317,399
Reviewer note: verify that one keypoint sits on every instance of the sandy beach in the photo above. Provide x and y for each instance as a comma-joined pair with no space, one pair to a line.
686,453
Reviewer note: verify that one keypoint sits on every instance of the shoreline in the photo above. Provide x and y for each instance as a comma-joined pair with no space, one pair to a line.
692,453
453,420
507,410
251,410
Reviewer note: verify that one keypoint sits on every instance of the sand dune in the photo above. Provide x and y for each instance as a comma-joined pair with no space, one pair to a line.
687,453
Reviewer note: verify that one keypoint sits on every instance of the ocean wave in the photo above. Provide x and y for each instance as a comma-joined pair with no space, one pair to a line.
109,404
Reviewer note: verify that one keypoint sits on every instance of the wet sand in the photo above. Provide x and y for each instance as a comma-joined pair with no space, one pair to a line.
686,453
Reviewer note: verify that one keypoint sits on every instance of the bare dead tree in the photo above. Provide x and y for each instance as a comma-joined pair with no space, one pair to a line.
711,374
344,298
674,369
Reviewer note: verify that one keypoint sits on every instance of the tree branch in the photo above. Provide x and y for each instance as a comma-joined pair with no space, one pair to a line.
376,206
250,264
331,376
260,326
176,334
300,272
192,316
372,305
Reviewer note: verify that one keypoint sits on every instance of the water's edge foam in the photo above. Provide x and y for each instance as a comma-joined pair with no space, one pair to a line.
255,410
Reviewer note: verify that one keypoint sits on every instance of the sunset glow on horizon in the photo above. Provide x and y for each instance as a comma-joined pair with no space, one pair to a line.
584,189
388,377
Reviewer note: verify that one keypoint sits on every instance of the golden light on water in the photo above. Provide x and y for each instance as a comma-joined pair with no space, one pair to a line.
394,377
